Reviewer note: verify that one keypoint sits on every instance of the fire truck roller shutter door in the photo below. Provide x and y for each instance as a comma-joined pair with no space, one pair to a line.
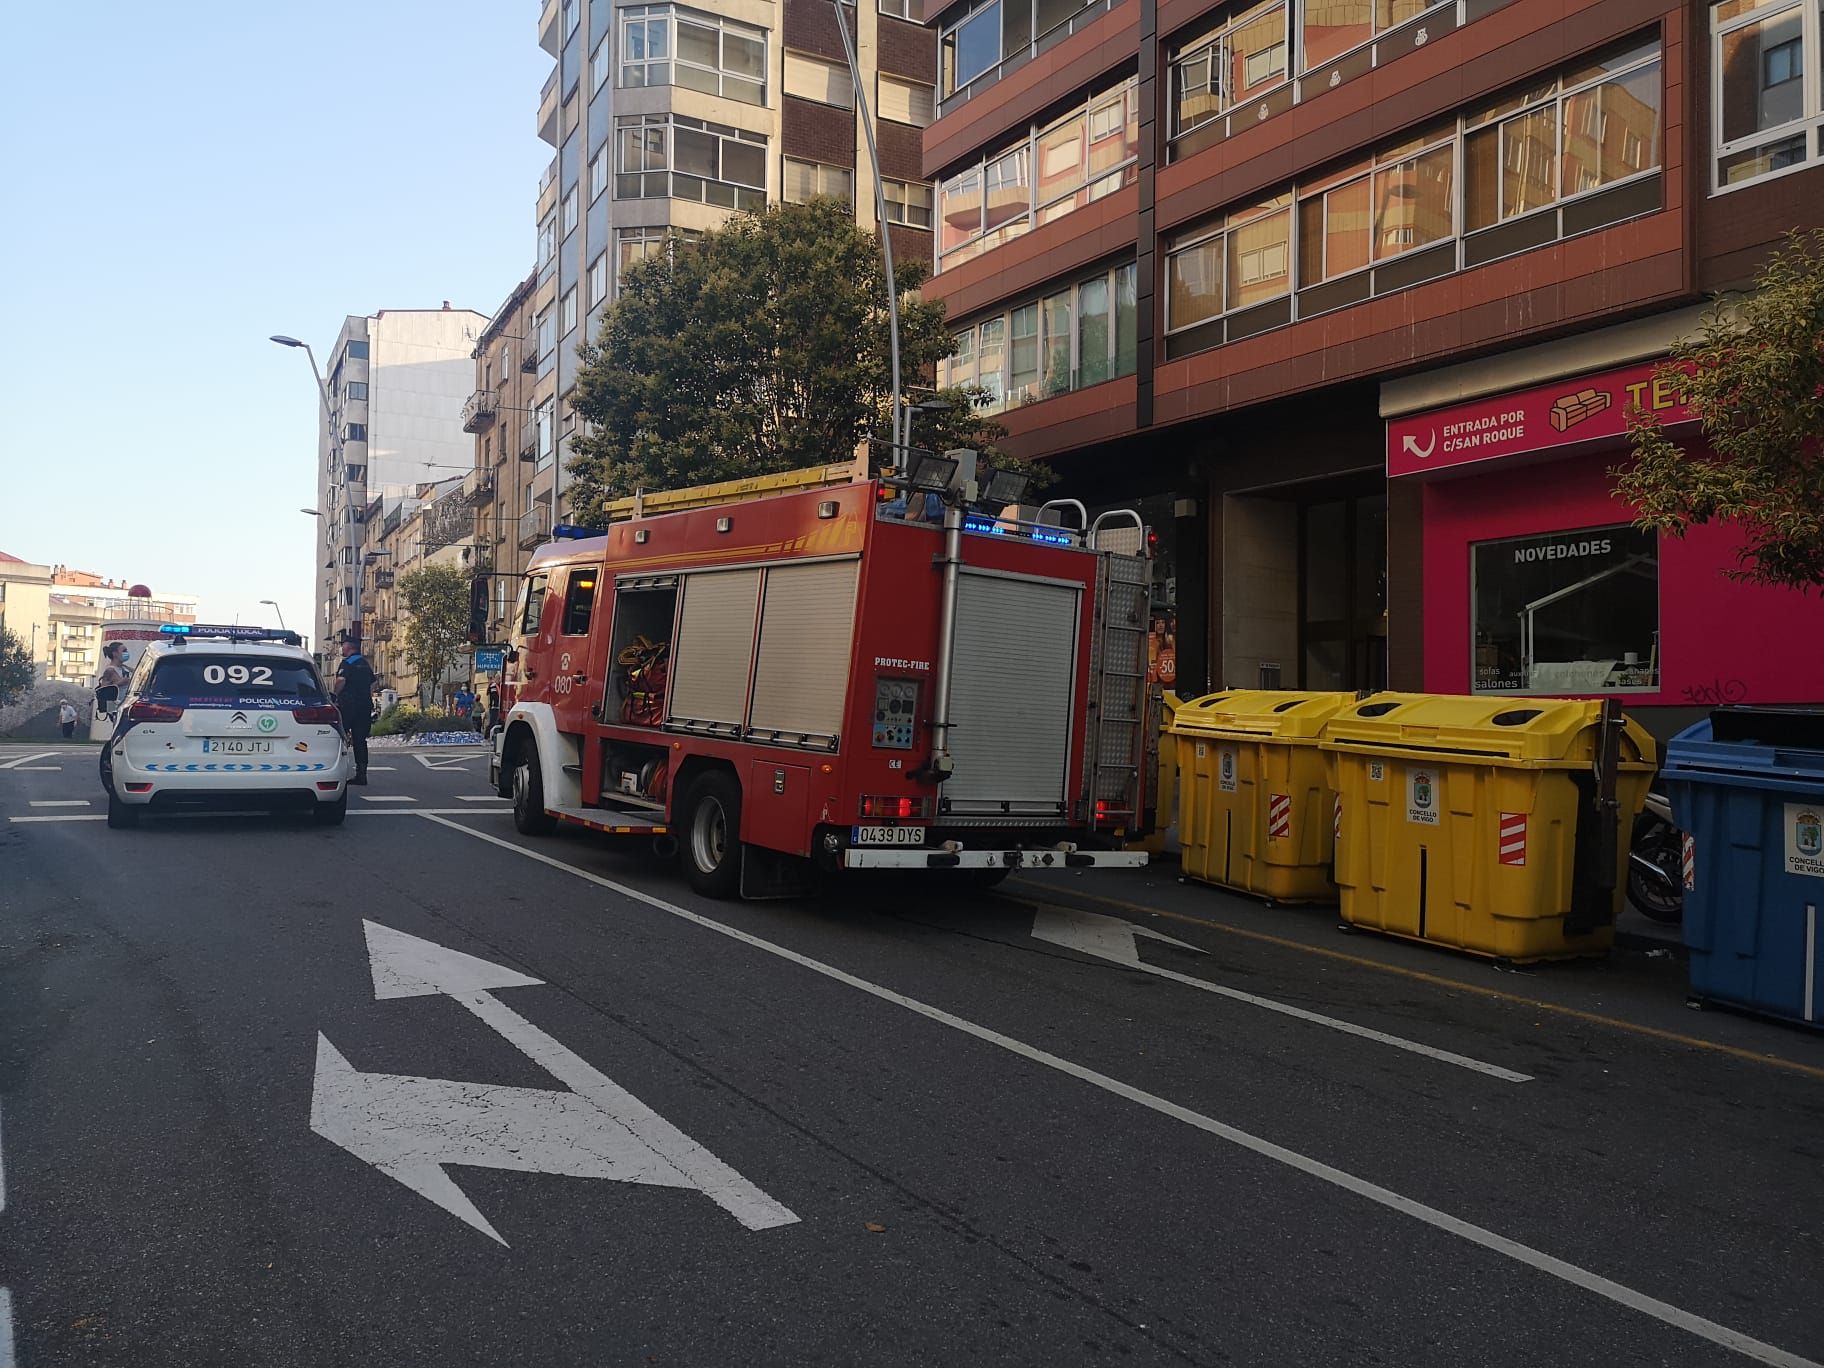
1012,682
807,623
712,660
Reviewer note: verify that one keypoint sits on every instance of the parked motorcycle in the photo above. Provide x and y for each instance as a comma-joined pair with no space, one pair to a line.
1656,882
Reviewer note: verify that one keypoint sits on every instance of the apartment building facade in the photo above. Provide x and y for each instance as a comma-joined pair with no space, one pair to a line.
665,119
396,382
62,615
1353,298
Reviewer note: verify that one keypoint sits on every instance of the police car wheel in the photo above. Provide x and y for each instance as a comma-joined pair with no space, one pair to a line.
711,847
529,815
332,814
121,815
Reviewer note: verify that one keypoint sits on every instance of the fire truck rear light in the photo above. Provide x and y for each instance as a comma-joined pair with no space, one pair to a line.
827,509
725,524
154,712
1101,809
892,806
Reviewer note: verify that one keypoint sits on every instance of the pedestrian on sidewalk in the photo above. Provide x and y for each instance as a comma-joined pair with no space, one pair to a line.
66,718
354,688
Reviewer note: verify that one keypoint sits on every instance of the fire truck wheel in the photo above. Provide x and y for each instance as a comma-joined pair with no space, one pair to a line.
711,847
529,815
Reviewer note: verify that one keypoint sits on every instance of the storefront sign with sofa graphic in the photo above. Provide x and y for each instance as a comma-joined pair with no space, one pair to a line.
1566,413
1805,839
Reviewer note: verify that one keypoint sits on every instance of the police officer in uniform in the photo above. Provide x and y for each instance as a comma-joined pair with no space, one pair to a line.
354,688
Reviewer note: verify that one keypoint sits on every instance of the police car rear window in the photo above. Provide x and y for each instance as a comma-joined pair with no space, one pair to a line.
228,679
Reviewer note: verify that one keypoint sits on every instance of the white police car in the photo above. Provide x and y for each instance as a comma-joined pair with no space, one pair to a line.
226,717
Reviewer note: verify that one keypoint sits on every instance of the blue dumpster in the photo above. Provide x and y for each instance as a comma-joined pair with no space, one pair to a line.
1747,788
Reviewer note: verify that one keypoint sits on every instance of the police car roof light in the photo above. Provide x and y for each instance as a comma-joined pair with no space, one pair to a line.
575,532
181,631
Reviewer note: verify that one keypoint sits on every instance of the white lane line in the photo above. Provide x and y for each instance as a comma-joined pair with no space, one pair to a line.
6,1329
68,817
2,1170
41,769
388,798
352,812
60,802
481,798
19,760
1618,1293
380,769
1336,1024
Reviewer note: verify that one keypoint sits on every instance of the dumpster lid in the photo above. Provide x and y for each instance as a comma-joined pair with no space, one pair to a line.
1256,714
1501,728
1785,728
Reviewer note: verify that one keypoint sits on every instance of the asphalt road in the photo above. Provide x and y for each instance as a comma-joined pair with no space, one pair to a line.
418,1090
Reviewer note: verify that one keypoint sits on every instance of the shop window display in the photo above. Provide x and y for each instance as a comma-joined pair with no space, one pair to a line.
1567,612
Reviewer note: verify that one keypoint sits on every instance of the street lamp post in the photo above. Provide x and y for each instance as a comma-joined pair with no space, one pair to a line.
886,237
335,465
274,605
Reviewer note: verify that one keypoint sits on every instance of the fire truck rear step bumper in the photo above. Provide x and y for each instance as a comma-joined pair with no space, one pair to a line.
614,822
859,857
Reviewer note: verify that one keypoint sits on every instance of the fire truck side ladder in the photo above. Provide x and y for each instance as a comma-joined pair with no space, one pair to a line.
730,491
1115,759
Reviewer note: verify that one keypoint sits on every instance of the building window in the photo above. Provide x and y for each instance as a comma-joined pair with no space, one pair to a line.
996,31
812,78
601,62
568,311
573,11
546,330
1402,198
669,45
1238,61
899,9
1090,152
356,432
1593,127
570,211
598,280
357,389
1243,262
1072,337
1332,27
599,167
1567,612
908,203
802,179
547,240
1767,88
636,244
662,155
357,351
903,101
545,430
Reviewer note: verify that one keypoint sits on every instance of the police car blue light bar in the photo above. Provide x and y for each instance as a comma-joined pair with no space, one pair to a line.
232,632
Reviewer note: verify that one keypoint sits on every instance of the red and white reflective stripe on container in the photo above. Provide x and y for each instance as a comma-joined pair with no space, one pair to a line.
1279,816
1336,819
1690,860
1513,838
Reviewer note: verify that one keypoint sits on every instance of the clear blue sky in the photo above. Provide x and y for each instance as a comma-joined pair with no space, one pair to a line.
178,182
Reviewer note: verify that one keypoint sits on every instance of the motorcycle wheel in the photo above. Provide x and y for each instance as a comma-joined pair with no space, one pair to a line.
1666,851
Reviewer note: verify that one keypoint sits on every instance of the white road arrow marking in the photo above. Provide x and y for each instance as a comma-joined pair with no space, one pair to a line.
1108,938
450,762
410,1128
1112,938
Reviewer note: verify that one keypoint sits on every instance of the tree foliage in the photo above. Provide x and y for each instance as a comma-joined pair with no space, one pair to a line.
16,670
1754,377
436,601
762,347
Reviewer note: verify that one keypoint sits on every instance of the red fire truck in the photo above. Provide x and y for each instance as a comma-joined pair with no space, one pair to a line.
788,674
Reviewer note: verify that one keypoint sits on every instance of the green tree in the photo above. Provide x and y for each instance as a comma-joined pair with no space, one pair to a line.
16,670
762,347
436,600
1754,377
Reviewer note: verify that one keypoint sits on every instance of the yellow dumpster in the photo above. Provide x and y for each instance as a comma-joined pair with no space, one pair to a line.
1474,822
1254,802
